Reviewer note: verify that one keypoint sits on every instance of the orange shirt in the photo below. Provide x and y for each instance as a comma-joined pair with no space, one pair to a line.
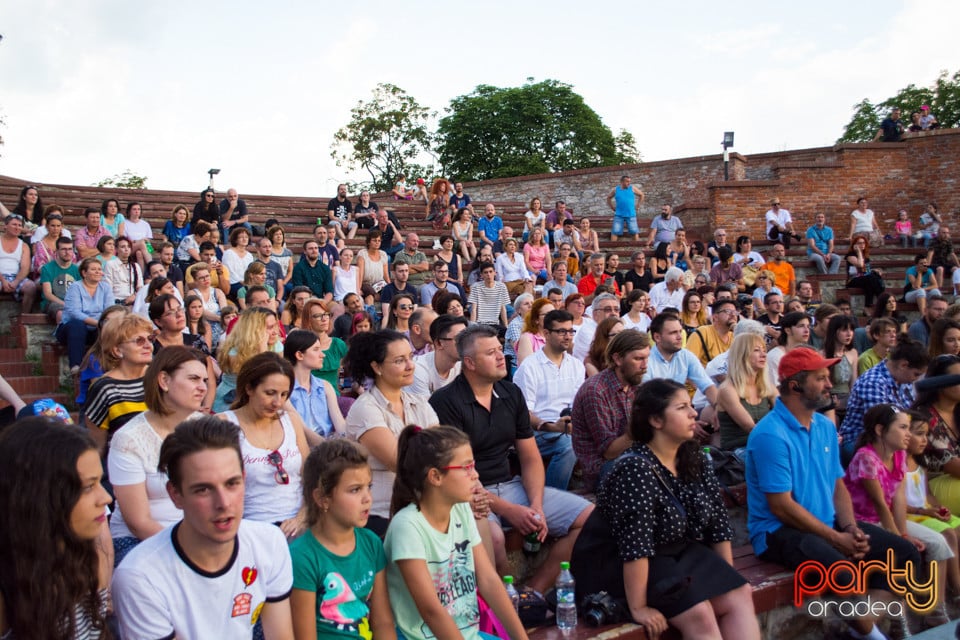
786,278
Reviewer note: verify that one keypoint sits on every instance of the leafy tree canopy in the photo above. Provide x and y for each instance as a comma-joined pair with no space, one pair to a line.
943,97
497,132
125,180
385,136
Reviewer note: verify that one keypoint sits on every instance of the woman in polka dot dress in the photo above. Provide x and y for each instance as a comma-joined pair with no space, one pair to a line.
662,509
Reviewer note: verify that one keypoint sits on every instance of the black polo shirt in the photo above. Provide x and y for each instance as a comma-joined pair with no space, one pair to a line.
492,433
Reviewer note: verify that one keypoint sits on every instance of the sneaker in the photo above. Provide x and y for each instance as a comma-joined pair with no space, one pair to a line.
75,369
436,245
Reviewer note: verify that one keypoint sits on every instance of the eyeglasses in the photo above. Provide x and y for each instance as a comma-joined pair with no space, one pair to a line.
469,467
405,307
209,195
281,475
320,316
140,341
563,332
173,313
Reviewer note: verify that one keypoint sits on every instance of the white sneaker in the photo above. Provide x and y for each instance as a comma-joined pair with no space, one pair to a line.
436,245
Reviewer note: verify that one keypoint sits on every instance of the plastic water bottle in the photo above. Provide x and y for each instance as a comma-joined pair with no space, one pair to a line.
706,454
566,600
512,592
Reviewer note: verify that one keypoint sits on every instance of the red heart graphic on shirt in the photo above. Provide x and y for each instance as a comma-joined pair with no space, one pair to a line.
249,574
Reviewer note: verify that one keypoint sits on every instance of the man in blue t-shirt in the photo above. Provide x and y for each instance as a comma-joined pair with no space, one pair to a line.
798,506
490,225
820,246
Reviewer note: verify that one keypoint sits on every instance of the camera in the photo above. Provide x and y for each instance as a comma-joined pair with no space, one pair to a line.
601,609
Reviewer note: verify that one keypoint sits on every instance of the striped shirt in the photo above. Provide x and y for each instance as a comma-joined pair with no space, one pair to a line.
112,402
489,301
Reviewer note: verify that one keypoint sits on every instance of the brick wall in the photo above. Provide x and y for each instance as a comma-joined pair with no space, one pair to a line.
922,169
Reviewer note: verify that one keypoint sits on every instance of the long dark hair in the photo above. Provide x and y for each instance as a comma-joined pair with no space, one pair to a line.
21,208
48,572
253,372
833,328
418,451
652,399
882,414
925,399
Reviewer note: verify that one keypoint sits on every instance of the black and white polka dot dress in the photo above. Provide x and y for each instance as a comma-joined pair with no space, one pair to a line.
646,522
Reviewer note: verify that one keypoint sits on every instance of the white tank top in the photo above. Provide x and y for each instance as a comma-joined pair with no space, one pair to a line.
345,282
266,500
10,262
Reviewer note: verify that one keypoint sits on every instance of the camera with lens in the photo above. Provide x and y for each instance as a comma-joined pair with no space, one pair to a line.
601,608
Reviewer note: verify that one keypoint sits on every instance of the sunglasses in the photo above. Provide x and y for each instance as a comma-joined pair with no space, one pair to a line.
140,341
281,475
405,307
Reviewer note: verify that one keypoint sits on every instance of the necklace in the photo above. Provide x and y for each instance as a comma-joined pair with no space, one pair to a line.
261,434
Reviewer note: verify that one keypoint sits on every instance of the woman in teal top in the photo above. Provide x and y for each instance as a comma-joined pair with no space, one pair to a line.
317,318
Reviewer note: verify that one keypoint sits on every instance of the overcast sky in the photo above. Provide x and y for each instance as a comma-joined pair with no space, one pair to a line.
170,89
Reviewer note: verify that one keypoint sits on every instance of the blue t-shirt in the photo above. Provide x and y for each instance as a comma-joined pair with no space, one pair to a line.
924,279
782,456
821,238
491,227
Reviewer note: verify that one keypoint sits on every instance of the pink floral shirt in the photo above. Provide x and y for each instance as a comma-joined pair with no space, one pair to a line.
867,465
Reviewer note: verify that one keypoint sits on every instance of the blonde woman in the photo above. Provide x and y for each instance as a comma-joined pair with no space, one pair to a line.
747,394
255,330
766,283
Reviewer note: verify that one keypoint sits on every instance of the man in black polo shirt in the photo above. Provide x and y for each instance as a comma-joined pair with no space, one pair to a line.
494,414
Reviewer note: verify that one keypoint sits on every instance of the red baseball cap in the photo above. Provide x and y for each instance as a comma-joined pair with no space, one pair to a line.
803,359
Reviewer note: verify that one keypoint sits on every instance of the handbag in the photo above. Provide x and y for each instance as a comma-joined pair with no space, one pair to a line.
875,238
750,273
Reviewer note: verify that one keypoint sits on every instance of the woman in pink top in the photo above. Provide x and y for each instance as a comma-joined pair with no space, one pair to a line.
536,254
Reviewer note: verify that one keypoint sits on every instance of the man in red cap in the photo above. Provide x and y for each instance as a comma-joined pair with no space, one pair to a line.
798,506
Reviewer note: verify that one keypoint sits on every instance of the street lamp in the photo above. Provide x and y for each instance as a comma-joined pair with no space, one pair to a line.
212,172
727,143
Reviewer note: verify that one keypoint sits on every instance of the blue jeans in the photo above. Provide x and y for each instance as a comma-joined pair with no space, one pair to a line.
559,446
618,222
394,250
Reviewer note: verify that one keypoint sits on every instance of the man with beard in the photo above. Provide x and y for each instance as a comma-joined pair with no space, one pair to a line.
601,408
799,509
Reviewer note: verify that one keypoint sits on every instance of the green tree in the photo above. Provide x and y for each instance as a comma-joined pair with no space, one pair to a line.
943,97
125,180
385,136
626,148
497,132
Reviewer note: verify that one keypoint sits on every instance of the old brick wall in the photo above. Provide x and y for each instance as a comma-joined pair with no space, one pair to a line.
906,175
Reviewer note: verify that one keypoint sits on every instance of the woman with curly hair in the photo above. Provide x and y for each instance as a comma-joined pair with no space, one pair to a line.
447,302
437,206
532,340
55,547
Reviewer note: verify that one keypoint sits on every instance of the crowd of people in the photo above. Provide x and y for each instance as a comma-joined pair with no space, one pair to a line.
267,427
